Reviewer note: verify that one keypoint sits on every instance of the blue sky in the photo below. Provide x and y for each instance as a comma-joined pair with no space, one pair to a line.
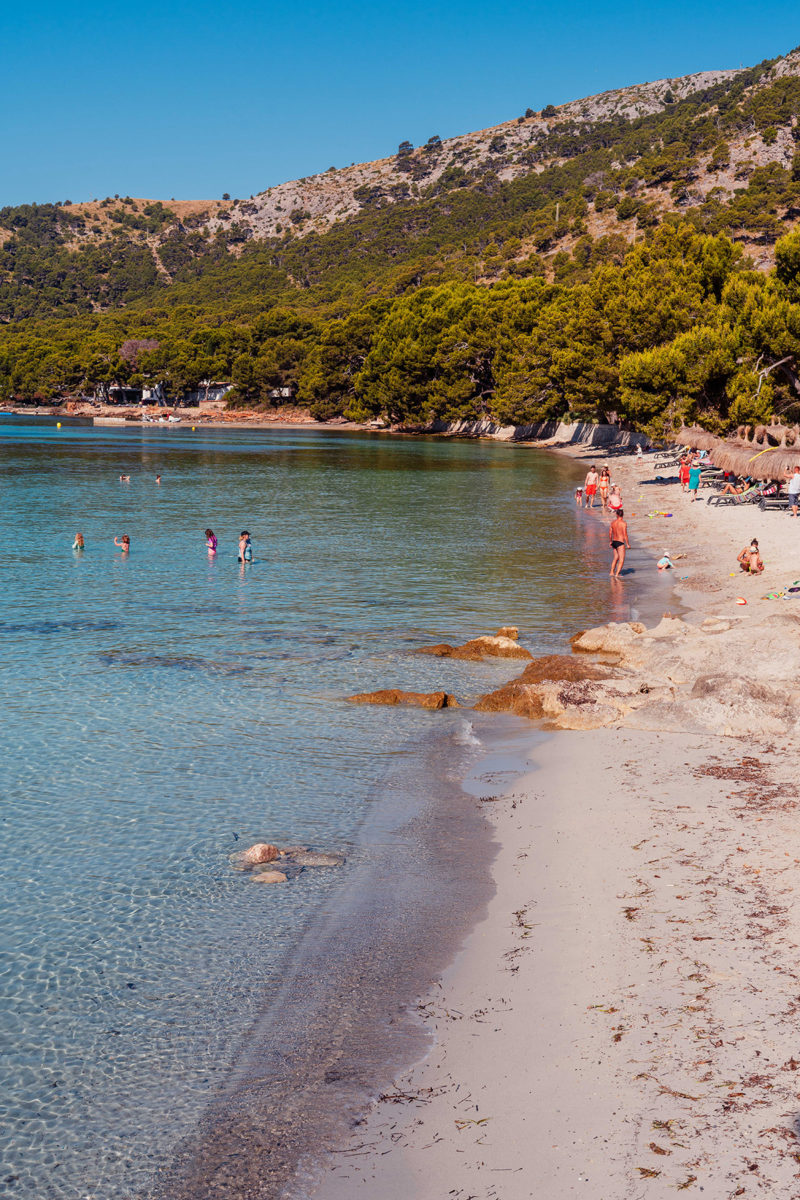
192,100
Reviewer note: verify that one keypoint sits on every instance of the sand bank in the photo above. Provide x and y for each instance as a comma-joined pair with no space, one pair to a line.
623,1022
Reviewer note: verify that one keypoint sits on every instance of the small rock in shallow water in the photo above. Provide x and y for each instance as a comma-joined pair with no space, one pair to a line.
261,852
308,858
397,696
268,877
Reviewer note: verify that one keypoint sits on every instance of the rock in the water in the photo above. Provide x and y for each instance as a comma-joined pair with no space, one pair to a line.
308,858
261,852
287,851
396,696
479,648
268,877
508,631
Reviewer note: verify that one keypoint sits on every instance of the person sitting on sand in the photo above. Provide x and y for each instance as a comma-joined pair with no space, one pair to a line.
665,563
750,559
125,544
618,537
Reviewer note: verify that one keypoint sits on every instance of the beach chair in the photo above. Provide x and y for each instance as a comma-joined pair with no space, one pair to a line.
751,496
779,503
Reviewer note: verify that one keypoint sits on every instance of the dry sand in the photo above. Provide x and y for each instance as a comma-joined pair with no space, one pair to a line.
623,1023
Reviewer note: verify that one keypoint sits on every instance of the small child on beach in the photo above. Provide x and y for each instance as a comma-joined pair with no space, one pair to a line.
665,563
579,497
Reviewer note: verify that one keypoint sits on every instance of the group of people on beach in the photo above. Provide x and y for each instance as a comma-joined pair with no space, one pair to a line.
598,485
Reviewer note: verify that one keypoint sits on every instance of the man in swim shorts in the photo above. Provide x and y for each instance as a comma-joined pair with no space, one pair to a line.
590,486
618,537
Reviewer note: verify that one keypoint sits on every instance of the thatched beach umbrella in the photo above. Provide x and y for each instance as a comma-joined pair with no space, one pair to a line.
760,460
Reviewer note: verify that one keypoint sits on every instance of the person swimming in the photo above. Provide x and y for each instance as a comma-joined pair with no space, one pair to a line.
245,547
125,544
211,541
78,543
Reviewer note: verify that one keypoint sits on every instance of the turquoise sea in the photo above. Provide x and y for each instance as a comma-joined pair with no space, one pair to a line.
163,709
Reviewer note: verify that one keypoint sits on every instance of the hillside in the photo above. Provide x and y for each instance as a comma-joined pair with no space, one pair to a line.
540,208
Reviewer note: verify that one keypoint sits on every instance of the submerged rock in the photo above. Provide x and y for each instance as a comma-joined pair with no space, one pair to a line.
268,877
308,858
396,696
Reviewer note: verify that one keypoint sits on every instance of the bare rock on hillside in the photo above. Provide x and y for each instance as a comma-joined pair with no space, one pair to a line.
397,696
479,648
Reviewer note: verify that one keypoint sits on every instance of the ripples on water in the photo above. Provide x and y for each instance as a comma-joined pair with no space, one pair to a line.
163,709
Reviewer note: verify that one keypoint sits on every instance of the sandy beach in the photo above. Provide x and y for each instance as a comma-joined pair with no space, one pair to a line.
623,1022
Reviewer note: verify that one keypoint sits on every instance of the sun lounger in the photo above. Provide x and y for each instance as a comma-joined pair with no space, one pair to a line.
751,496
777,503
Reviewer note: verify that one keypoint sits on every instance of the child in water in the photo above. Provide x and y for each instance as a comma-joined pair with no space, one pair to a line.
579,497
78,543
245,547
211,541
125,544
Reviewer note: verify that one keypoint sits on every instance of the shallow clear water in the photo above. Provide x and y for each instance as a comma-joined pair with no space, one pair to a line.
163,709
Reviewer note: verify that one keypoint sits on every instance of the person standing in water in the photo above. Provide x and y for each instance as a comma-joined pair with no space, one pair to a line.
245,547
125,544
211,541
590,486
78,543
618,537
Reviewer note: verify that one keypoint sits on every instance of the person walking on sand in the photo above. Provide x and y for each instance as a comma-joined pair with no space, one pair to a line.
618,537
590,486
683,473
694,479
615,498
604,483
793,489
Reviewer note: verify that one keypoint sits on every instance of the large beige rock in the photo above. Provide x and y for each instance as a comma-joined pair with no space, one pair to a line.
612,641
396,696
